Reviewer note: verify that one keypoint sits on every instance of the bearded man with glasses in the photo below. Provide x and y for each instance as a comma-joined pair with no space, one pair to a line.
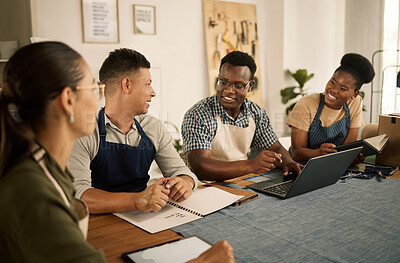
219,131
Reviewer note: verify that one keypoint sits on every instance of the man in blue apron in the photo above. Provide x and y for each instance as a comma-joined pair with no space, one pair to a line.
219,131
111,165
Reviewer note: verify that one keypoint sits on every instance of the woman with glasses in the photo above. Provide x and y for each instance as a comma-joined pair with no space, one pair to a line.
47,101
322,121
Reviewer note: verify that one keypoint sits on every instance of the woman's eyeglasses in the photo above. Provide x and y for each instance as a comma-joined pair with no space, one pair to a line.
98,89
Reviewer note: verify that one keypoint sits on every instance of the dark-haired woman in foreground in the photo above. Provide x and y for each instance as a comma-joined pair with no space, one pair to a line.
322,121
48,100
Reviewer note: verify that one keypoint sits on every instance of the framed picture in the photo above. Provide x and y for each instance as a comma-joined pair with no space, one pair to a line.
144,17
100,21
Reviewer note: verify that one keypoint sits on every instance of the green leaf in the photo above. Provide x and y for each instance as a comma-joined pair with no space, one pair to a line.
362,95
288,94
290,108
177,145
309,77
301,76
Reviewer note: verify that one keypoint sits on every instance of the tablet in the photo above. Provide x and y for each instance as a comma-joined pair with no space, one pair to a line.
181,250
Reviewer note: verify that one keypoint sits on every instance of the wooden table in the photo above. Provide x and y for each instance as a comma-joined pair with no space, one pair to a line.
396,175
115,236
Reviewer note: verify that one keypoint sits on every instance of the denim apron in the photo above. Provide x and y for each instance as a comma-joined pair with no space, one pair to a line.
336,133
119,167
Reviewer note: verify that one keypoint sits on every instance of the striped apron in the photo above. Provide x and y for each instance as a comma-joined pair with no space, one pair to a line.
336,133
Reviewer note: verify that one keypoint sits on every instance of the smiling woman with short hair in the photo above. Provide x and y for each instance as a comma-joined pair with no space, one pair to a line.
322,121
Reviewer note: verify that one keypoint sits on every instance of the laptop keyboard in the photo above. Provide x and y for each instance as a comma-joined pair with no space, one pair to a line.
282,188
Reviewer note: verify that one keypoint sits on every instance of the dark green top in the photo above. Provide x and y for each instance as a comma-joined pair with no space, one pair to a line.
35,223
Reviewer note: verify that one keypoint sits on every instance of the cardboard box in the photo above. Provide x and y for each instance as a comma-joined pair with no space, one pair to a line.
390,124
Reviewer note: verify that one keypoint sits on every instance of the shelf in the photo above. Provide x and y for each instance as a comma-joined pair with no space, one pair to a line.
4,60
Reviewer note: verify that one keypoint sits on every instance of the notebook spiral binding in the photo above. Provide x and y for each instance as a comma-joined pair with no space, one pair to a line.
184,208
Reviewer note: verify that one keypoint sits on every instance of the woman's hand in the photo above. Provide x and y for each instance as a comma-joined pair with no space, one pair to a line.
220,252
327,148
359,159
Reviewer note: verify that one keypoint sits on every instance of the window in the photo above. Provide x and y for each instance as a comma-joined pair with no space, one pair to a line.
390,97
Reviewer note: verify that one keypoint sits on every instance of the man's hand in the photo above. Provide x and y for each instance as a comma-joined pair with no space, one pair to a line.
220,252
180,187
327,148
154,197
292,167
264,162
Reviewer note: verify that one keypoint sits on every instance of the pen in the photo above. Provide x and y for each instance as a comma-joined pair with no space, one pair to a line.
165,183
278,157
395,170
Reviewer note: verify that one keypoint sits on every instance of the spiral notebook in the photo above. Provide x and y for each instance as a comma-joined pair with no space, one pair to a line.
201,203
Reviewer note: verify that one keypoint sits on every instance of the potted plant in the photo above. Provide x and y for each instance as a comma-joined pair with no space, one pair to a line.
301,77
178,144
177,141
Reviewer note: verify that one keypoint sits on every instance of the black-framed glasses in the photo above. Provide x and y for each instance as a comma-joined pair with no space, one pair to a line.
98,89
236,86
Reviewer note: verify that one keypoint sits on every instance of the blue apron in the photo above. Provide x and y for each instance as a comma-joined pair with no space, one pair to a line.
119,167
336,133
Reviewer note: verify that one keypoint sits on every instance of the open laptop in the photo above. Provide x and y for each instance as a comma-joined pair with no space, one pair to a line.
319,172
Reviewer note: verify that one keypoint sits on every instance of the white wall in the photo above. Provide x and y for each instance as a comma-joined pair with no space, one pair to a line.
274,51
363,35
176,52
317,33
293,34
314,38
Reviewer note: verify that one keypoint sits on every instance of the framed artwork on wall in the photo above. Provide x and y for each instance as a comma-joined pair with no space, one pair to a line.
144,19
100,21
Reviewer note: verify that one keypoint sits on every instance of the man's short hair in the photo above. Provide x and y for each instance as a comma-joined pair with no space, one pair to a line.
238,58
122,61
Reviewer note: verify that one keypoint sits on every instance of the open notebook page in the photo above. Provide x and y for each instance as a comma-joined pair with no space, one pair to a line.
203,201
377,141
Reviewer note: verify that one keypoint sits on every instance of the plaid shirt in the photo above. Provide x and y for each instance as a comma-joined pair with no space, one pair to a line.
200,125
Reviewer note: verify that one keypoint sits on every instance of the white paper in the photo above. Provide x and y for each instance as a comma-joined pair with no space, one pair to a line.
208,200
203,201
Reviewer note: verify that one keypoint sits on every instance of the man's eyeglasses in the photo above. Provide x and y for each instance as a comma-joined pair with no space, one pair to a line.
236,86
98,89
